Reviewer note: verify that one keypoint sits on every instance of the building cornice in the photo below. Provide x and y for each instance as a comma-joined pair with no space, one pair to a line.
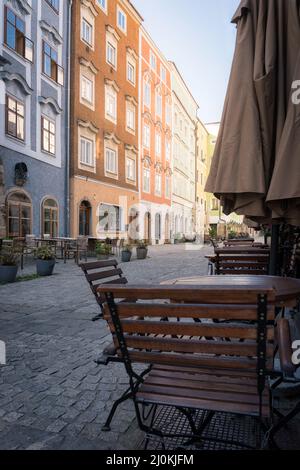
22,6
131,99
131,148
132,52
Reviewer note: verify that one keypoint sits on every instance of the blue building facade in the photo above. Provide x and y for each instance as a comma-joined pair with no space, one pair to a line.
34,68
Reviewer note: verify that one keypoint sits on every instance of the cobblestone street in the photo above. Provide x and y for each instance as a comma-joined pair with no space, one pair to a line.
52,393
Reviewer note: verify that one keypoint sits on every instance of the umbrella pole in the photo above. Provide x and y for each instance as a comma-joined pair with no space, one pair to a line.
274,250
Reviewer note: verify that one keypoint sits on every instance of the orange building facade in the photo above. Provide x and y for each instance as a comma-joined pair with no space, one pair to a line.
104,127
155,143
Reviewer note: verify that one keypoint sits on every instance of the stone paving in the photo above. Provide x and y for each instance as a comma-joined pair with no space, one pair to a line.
52,393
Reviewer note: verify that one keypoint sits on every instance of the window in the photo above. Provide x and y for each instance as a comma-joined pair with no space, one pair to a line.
86,151
146,139
152,60
121,20
50,218
15,114
168,114
110,104
19,215
54,4
111,163
111,54
168,187
130,169
158,144
86,32
130,116
15,35
146,180
214,204
158,104
147,94
168,149
48,135
131,72
163,73
87,89
158,184
102,4
50,65
109,218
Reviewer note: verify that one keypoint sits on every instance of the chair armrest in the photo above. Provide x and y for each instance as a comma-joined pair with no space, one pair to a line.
285,347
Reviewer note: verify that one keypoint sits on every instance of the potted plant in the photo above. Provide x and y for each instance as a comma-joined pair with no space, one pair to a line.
45,261
8,265
126,253
141,250
102,250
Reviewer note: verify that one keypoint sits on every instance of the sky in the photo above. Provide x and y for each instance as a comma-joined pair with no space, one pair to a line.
198,36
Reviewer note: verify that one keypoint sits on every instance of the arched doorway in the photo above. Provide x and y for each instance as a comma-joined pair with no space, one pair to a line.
19,214
133,224
176,225
147,227
85,212
167,228
157,227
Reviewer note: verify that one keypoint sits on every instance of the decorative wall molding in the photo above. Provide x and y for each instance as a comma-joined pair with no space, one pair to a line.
147,115
112,136
158,167
89,5
8,77
112,84
132,52
88,125
21,6
51,33
131,148
51,102
113,32
88,64
147,161
131,99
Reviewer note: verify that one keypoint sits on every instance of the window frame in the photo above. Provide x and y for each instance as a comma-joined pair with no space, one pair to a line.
103,8
84,20
131,63
58,69
158,177
148,140
114,47
148,85
83,78
148,172
55,221
50,3
111,173
158,135
16,114
130,108
111,93
51,121
132,159
25,39
87,140
120,11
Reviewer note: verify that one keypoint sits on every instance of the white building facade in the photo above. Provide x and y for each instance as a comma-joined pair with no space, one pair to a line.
185,111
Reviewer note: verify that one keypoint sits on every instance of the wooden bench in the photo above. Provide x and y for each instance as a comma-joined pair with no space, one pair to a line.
241,264
192,366
102,272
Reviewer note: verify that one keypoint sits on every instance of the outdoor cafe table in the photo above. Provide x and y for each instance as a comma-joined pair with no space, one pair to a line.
287,290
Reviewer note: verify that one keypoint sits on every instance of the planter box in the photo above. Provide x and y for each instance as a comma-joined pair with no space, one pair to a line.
8,273
141,253
44,267
126,256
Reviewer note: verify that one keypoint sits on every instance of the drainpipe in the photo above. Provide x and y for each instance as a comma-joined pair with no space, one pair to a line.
68,97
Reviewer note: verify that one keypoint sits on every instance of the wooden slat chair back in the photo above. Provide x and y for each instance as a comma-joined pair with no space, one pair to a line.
102,272
196,364
243,264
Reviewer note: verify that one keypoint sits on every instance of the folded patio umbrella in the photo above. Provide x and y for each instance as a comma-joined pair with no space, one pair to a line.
260,125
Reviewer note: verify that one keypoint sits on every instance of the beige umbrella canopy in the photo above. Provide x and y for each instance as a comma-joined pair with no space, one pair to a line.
260,126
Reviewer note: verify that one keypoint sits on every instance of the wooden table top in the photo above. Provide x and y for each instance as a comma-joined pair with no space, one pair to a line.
286,289
242,250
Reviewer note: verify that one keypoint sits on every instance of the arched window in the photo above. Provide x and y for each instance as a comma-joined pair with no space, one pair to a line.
85,212
50,218
19,209
110,218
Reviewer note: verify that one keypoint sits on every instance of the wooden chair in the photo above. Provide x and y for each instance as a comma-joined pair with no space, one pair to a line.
241,264
102,272
76,248
191,367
